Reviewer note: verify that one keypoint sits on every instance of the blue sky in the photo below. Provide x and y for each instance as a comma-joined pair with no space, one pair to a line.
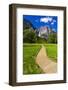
38,21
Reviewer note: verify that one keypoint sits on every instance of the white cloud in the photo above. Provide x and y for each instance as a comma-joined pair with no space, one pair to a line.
49,19
52,23
46,19
54,20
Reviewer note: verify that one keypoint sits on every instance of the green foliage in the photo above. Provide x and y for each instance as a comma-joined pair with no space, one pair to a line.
29,36
41,40
51,50
29,53
52,38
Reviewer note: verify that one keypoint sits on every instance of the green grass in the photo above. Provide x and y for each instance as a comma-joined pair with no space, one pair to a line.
30,52
51,50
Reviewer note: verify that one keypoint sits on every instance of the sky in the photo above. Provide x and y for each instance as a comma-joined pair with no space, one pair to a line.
38,21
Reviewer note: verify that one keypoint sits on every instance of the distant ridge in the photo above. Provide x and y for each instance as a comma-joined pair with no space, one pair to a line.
27,24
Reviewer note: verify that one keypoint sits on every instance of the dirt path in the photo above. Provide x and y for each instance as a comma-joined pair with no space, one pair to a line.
48,66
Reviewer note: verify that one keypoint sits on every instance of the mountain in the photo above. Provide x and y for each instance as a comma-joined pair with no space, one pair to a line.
39,35
44,32
27,25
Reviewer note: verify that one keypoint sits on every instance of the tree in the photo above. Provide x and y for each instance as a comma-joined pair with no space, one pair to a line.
52,38
29,36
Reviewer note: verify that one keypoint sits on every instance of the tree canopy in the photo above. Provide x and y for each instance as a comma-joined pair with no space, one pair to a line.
52,38
29,36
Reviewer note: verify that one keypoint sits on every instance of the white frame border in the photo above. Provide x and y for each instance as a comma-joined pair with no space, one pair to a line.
47,77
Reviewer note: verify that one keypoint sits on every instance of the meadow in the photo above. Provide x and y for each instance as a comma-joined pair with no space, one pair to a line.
30,52
29,55
51,50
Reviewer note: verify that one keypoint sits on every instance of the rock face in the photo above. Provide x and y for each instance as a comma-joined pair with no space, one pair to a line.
44,31
27,25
